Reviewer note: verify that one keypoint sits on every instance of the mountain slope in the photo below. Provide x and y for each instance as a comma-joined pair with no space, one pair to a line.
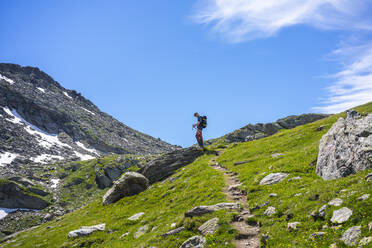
292,151
40,122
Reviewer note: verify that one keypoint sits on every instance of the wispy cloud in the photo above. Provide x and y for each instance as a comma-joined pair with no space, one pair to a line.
243,20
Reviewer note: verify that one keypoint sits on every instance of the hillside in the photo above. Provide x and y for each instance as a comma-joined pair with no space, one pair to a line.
42,122
297,198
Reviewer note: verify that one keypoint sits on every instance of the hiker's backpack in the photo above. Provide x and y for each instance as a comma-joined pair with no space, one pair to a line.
203,122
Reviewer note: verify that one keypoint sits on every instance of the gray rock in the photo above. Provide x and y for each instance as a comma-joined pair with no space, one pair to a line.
86,230
173,232
275,155
363,197
209,227
341,215
136,216
194,242
13,196
292,226
336,202
316,235
370,226
273,178
141,231
102,181
201,210
346,148
351,235
321,212
273,195
270,211
369,177
131,183
365,241
164,166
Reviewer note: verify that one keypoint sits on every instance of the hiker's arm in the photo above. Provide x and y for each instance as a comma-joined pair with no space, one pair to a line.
195,125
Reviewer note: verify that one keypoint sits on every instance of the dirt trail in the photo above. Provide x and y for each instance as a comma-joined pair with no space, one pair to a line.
248,235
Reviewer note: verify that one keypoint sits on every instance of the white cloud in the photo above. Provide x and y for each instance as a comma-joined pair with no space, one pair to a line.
353,85
240,20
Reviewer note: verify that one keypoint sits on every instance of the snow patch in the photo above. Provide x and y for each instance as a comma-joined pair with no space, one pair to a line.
5,211
94,151
41,89
45,139
66,94
90,112
7,158
46,158
83,157
55,183
10,81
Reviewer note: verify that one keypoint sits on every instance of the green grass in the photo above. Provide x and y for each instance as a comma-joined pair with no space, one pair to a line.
163,203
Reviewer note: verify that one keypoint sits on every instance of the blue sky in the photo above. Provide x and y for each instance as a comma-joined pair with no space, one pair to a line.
152,64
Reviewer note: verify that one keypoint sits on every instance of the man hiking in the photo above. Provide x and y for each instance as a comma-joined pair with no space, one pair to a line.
202,123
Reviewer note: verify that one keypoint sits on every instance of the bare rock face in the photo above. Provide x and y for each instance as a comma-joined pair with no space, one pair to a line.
131,183
346,148
164,166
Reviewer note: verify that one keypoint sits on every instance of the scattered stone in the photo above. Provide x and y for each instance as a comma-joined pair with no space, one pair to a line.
336,202
294,178
292,226
86,230
194,242
209,227
173,232
124,235
141,231
234,187
325,226
273,178
273,195
173,224
131,183
370,226
241,162
48,217
341,215
298,194
369,177
270,211
275,155
365,241
345,148
363,197
351,235
316,235
201,210
333,245
320,128
136,216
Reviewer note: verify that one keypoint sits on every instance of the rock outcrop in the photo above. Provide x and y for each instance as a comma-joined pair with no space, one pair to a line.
259,131
13,195
131,183
86,230
273,178
346,148
164,166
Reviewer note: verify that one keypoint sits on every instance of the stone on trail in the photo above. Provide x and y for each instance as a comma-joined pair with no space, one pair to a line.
273,178
209,227
341,215
136,216
194,242
336,202
270,211
346,148
86,230
131,183
351,235
201,210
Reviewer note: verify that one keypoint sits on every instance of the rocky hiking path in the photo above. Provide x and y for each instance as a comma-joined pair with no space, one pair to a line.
248,235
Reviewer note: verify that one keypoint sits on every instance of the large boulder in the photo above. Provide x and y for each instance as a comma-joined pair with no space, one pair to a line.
164,166
346,148
13,195
131,183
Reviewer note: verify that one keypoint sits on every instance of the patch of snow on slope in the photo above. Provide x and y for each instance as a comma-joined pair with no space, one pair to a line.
94,151
55,183
46,158
7,158
5,211
90,112
41,89
83,157
46,140
66,94
10,81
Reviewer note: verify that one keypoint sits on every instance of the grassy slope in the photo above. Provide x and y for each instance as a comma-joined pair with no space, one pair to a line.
166,202
300,149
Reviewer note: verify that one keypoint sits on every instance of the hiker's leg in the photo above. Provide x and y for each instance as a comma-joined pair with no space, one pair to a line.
199,138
